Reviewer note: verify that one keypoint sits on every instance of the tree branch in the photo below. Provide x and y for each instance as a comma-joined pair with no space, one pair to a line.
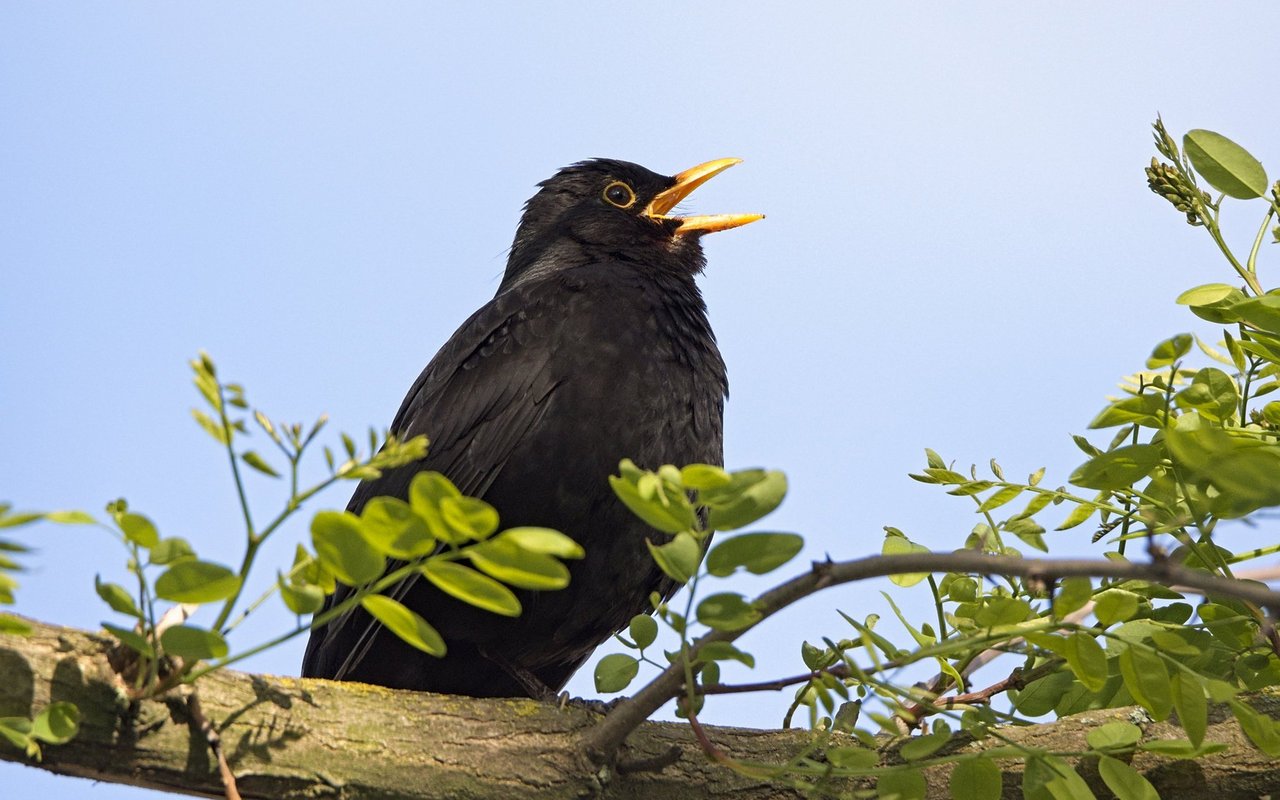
291,739
601,742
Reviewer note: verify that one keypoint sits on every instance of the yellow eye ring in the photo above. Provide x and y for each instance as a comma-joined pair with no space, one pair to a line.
619,194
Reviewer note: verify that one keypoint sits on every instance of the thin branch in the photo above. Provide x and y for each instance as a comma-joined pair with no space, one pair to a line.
602,742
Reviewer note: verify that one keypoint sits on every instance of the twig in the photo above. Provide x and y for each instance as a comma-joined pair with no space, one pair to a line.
600,744
215,745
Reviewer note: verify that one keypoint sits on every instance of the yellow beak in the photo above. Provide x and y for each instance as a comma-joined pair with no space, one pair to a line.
685,183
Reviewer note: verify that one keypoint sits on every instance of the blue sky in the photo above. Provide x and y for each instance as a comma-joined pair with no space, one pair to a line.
960,251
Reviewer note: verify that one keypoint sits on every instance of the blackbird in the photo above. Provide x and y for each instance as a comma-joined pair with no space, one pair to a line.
595,348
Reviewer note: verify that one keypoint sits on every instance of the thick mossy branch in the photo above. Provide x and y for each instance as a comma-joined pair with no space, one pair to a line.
291,738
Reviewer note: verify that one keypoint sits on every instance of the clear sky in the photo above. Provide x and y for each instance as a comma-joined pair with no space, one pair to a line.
960,250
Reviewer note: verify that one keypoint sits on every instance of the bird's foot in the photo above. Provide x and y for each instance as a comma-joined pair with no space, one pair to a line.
601,707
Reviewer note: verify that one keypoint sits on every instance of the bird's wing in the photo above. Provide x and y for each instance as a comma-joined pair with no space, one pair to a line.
485,389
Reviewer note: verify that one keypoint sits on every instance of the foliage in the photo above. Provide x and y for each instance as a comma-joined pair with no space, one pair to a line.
1195,449
1196,446
432,533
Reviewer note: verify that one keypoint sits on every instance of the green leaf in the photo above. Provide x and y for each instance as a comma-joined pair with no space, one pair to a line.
301,598
212,428
1261,312
704,476
901,786
997,611
342,548
976,779
471,587
615,672
395,529
1125,781
426,492
725,651
192,643
1115,736
998,499
403,622
58,723
656,510
643,630
895,543
9,624
859,758
543,540
678,558
115,596
70,517
758,553
1077,516
1144,409
1169,351
131,639
170,550
1115,605
1261,729
1214,302
1180,748
1119,468
1147,680
1240,468
1087,660
1041,696
503,559
1227,166
751,495
470,517
259,463
1190,703
1072,594
1212,393
923,746
17,731
138,529
197,582
727,611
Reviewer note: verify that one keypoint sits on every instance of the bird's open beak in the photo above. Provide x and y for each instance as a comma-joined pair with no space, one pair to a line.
685,183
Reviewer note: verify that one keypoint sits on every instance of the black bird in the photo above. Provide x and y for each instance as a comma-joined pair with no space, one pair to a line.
595,348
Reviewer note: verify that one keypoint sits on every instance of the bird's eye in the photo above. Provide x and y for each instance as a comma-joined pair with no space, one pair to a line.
619,194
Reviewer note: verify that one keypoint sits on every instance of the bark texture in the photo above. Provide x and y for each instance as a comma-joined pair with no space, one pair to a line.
293,738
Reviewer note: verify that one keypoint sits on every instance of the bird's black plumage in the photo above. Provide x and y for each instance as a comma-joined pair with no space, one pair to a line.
595,348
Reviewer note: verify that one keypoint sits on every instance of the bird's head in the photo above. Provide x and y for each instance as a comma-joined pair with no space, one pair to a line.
608,210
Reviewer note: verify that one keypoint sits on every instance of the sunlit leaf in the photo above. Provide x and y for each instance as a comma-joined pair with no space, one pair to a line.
975,779
750,495
543,540
259,463
471,587
758,553
138,529
342,548
395,529
115,596
505,560
643,629
197,582
1227,166
1119,468
192,643
615,672
1125,781
727,611
57,723
405,623
678,558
